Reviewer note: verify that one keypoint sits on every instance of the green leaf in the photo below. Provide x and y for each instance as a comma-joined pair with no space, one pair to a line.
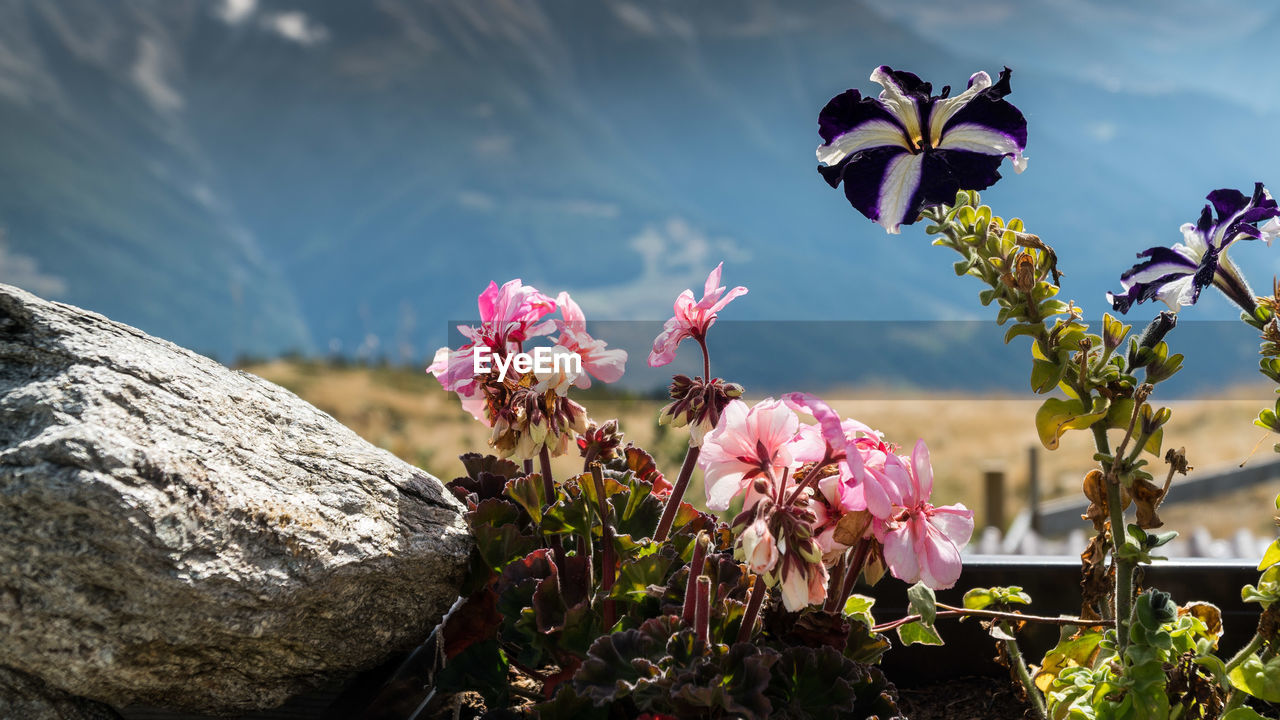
1243,713
1053,307
981,598
1259,679
1021,329
1056,416
1046,375
859,606
530,492
923,602
635,576
914,632
820,683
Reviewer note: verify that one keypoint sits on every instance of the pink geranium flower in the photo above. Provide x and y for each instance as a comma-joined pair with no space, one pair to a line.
865,481
509,315
746,444
603,364
692,319
922,542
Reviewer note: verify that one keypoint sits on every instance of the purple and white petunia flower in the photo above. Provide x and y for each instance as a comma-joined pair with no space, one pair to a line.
1176,275
909,149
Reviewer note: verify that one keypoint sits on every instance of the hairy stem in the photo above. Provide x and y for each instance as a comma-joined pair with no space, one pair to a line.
856,562
677,494
549,487
835,584
607,564
702,611
952,611
1019,667
753,609
1124,568
695,572
706,358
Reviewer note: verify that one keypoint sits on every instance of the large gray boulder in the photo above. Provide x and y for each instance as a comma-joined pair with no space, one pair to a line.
181,535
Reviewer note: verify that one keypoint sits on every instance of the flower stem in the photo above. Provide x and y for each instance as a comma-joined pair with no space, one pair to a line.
951,611
706,358
549,487
702,612
607,569
677,494
753,609
859,558
836,584
548,484
1245,652
810,479
1124,568
1024,677
590,458
695,572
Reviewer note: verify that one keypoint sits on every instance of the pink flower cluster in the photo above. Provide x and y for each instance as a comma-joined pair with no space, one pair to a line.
798,481
510,316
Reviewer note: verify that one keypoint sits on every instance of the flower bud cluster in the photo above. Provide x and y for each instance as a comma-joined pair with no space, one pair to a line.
697,403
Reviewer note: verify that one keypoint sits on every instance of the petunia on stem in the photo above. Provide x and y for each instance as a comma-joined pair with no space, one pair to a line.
677,494
1176,275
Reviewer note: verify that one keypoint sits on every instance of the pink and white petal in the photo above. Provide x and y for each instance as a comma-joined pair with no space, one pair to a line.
941,567
900,553
713,282
895,478
737,292
953,521
488,302
574,319
606,365
723,485
474,404
923,471
879,503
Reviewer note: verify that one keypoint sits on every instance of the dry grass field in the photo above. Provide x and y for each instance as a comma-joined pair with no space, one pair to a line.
406,412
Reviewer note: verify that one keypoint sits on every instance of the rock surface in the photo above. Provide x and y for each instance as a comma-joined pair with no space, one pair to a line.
182,535
22,696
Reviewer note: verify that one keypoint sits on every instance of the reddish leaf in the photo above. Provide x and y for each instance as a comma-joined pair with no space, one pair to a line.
476,620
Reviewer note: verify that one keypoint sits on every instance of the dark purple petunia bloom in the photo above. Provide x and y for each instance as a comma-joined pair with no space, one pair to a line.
909,149
1176,275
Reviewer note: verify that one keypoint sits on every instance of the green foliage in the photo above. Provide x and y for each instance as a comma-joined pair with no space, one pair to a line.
1086,676
923,603
983,598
